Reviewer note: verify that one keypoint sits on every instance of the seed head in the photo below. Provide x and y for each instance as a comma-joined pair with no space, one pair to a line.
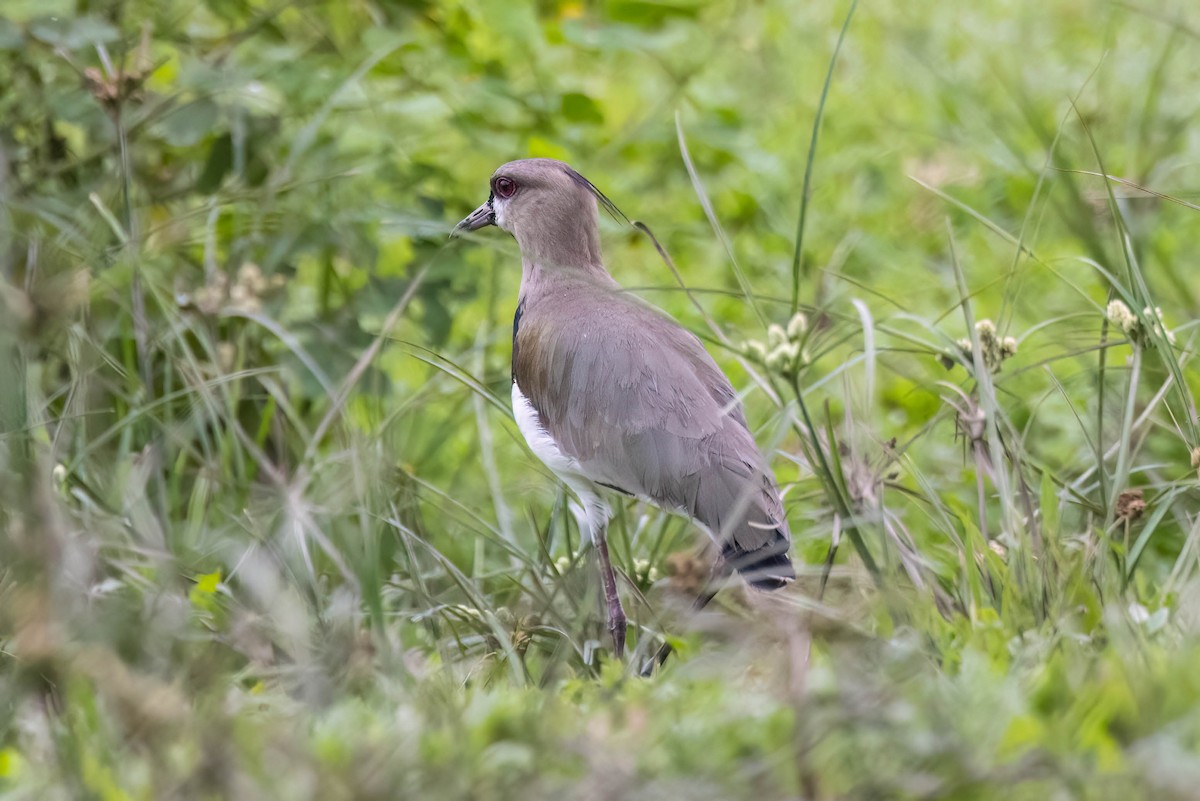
783,357
1119,315
797,325
753,349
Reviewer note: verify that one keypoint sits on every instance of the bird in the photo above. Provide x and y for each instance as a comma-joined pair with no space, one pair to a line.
615,396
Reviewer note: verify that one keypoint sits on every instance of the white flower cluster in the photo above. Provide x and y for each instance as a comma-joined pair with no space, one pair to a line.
782,352
245,295
996,350
1119,315
642,567
1142,331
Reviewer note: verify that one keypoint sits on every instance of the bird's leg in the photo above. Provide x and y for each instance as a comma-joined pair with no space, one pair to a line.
612,601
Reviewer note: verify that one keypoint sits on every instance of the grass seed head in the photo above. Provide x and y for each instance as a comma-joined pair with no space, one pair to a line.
797,326
1119,315
1131,504
995,350
1142,331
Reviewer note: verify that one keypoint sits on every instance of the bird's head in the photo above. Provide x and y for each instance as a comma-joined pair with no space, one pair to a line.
549,208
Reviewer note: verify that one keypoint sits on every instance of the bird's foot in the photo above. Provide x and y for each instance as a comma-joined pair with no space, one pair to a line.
616,627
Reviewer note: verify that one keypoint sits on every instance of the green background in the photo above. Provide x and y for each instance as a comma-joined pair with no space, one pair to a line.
268,530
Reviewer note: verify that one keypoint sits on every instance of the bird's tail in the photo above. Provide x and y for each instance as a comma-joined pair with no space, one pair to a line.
764,568
736,501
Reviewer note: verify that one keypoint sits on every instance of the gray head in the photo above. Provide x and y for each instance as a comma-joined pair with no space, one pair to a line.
549,208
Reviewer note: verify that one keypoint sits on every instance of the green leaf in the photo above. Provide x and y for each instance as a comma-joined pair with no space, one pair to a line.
577,107
208,582
542,148
189,124
10,763
73,33
220,160
11,36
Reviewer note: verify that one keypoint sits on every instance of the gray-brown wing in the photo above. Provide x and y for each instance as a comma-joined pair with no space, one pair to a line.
641,405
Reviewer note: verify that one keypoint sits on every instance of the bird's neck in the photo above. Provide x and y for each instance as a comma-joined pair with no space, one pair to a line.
568,241
541,280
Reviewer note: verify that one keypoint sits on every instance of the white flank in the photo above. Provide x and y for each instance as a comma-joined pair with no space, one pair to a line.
596,511
540,442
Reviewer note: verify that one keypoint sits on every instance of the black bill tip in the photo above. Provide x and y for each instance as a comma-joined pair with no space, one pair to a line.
480,218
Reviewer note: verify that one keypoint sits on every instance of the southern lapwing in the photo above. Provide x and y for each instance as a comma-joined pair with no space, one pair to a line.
614,395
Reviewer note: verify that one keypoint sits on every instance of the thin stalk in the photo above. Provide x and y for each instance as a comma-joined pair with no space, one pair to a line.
711,214
806,190
832,486
1121,472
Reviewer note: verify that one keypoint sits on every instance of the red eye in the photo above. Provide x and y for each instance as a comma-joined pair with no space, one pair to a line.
505,187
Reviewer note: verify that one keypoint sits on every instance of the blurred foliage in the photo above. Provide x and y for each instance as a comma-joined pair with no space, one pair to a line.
267,529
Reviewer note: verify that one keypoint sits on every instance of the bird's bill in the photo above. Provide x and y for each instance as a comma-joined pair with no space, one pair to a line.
480,218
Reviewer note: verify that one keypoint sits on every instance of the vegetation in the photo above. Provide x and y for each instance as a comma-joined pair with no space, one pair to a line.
267,529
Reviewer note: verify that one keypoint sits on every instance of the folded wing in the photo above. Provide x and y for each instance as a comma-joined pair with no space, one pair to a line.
638,402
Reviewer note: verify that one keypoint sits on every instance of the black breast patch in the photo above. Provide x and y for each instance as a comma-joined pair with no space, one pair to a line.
516,327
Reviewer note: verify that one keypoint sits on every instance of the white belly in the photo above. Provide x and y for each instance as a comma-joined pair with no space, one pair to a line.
567,468
540,442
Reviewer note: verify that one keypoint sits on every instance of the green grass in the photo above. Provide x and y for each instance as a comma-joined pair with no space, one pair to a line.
268,530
